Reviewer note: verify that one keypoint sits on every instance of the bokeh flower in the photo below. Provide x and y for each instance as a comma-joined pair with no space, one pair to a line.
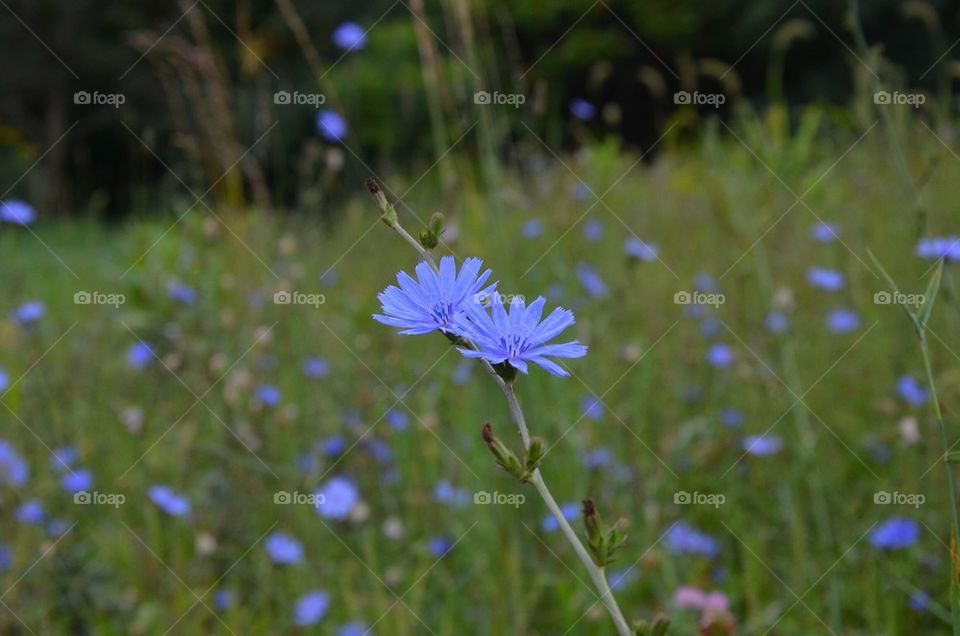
762,445
947,248
843,321
518,338
776,322
268,395
30,512
911,391
167,500
591,282
311,608
17,212
140,354
354,629
895,533
77,480
434,300
13,468
823,232
350,36
283,549
332,126
582,109
570,511
316,368
639,250
532,228
682,538
183,294
720,355
826,279
29,312
593,230
336,498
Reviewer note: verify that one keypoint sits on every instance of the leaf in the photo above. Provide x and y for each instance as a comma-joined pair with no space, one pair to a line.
923,314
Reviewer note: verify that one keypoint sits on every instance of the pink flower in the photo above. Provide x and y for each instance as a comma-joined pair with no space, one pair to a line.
688,597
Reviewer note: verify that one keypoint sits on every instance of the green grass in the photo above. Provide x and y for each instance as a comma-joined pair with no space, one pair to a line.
793,525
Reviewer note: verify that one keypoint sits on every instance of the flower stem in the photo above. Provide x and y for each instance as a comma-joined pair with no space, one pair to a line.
597,573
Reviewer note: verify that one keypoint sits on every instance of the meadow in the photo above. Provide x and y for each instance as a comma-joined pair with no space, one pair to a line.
773,440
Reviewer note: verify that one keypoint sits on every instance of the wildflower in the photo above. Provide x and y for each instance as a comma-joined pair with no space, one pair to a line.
337,498
582,109
4,380
637,249
593,230
29,312
63,458
435,300
720,356
776,322
920,601
6,558
946,248
444,492
843,321
139,355
823,232
570,511
683,538
597,458
620,579
57,528
580,191
169,501
895,533
732,418
911,391
532,228
311,608
316,368
350,36
332,126
354,629
283,548
397,420
268,395
181,293
30,512
17,212
77,481
591,407
333,446
762,445
223,600
439,547
520,337
825,279
591,281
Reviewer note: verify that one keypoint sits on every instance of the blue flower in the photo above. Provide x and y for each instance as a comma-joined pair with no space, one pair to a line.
57,528
444,492
732,418
591,407
336,498
332,126
570,511
520,337
17,212
826,279
169,501
920,601
63,458
911,391
316,368
4,380
77,481
593,230
720,355
268,395
843,321
591,281
895,533
181,293
776,322
6,558
30,512
682,538
434,301
333,446
283,548
223,600
762,445
140,354
620,579
637,249
350,36
597,458
439,547
532,228
311,608
397,419
824,232
29,312
947,248
582,109
354,629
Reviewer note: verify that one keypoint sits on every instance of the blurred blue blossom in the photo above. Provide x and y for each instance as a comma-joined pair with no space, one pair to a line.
29,312
77,480
732,417
334,445
710,326
895,533
682,538
435,300
439,547
591,407
720,355
444,492
30,512
597,458
397,419
57,528
4,380
17,212
311,608
349,36
591,282
63,458
570,512
582,109
824,232
593,230
635,248
826,279
354,629
268,395
620,579
316,368
181,293
843,321
336,498
947,248
283,549
332,126
6,558
762,445
532,228
223,600
139,355
911,391
169,501
776,322
520,337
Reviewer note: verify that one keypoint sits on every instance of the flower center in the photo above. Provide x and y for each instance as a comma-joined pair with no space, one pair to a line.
442,312
513,344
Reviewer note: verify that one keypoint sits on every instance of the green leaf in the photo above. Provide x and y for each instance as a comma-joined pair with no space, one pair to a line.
923,314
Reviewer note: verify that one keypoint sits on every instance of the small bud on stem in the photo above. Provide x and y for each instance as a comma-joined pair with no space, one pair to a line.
601,541
504,456
388,214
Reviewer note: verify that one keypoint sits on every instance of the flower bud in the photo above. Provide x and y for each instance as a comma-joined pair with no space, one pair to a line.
534,455
388,214
504,456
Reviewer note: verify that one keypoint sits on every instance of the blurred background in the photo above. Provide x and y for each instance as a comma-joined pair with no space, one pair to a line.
719,191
